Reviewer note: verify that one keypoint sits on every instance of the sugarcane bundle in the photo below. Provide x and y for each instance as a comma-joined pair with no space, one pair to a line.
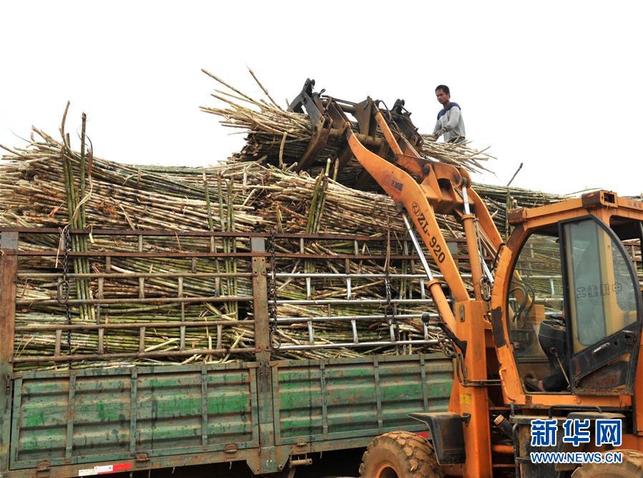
42,185
117,195
281,137
49,184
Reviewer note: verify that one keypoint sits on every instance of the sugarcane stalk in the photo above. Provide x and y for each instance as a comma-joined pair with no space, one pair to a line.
250,196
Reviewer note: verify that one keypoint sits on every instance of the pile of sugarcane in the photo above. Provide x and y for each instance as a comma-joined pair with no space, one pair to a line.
47,183
280,137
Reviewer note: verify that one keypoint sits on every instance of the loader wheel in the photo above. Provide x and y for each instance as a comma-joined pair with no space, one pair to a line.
399,455
632,467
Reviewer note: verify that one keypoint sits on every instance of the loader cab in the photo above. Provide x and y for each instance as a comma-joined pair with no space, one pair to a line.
573,303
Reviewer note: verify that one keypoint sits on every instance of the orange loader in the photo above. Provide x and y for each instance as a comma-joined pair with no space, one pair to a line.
546,339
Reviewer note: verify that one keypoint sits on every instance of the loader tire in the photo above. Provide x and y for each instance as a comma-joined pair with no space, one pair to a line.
632,467
399,455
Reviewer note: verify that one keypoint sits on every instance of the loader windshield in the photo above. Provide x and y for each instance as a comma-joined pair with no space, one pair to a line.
574,308
602,300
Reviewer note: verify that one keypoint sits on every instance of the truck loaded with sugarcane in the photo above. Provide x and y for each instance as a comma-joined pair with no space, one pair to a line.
278,306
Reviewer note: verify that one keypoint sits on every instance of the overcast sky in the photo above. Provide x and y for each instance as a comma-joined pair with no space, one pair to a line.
554,85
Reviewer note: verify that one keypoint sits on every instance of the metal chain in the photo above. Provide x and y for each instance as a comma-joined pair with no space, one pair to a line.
272,295
389,312
63,299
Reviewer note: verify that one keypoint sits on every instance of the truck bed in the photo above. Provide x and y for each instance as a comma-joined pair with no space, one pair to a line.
95,393
69,422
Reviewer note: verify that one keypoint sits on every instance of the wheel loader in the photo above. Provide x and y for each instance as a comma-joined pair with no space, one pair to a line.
548,379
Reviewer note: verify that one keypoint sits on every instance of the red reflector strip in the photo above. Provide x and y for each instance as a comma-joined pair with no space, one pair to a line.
118,467
423,434
105,469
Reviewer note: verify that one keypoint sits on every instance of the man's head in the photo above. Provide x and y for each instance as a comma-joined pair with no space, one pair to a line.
443,94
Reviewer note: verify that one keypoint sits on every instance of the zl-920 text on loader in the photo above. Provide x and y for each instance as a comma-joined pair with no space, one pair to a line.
563,349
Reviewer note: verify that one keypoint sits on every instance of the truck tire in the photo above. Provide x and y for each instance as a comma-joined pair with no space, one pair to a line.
399,455
632,467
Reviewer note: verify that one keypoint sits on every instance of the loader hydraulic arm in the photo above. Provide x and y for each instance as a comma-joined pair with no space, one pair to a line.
422,188
386,144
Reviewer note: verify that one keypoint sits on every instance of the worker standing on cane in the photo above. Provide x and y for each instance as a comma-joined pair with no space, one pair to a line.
449,123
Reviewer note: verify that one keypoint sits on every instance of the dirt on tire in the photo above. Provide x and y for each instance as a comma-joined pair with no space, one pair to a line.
399,455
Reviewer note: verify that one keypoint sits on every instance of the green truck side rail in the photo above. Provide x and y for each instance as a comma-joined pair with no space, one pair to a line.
187,414
88,421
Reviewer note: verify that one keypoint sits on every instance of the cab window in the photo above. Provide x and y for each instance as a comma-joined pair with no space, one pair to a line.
573,307
601,297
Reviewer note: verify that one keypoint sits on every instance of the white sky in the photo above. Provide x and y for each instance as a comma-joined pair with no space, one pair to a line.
555,85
